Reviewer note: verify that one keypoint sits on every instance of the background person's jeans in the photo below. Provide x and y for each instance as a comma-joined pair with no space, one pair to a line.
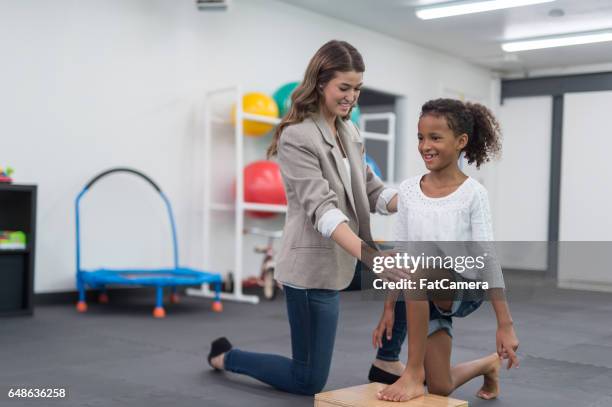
438,320
391,349
313,318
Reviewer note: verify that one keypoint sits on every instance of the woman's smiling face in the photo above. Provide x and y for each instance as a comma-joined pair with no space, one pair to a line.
438,145
341,93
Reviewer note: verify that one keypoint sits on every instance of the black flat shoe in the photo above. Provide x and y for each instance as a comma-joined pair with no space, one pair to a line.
217,347
381,376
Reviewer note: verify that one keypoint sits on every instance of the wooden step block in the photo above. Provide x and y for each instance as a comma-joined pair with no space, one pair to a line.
365,396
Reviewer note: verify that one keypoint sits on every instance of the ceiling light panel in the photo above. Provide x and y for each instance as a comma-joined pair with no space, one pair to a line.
558,41
457,8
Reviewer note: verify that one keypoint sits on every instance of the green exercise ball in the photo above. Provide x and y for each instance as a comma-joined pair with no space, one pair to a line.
355,115
282,97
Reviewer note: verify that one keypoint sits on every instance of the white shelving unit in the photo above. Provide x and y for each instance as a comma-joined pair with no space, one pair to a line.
239,206
382,226
388,137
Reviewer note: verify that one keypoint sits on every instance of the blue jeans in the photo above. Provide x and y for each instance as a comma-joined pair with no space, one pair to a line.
313,318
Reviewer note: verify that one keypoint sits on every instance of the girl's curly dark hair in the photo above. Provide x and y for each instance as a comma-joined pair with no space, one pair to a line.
473,119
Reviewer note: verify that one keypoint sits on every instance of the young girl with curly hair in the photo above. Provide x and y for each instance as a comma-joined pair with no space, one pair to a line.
444,205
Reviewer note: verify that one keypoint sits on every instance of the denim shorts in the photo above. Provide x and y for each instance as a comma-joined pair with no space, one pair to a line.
443,319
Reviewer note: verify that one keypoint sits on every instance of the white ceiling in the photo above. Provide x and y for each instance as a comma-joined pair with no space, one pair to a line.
477,37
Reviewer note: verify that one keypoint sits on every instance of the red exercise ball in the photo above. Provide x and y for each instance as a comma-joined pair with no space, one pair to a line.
263,184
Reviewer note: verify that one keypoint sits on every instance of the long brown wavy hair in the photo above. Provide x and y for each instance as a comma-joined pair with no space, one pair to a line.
334,56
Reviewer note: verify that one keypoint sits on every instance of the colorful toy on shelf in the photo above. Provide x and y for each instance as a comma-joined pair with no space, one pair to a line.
5,175
260,104
263,184
12,240
282,96
370,161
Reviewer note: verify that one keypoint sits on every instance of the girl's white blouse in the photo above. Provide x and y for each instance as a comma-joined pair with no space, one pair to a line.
463,215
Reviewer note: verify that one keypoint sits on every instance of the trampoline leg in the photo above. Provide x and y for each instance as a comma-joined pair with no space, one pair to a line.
103,296
217,306
174,297
159,311
81,305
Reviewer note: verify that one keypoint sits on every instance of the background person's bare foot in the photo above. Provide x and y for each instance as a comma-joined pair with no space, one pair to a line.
490,386
396,368
218,362
408,386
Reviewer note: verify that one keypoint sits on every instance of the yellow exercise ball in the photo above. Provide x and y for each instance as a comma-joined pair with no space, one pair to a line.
257,103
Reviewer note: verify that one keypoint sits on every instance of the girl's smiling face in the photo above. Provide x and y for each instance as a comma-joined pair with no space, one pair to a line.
341,93
438,145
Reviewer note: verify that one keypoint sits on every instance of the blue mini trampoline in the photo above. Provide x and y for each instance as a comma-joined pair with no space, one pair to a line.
158,278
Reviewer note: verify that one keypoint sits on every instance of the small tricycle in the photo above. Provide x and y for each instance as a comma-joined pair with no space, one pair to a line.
265,280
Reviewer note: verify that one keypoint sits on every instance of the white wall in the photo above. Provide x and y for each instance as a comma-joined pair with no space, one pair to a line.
586,193
522,182
524,169
585,222
89,85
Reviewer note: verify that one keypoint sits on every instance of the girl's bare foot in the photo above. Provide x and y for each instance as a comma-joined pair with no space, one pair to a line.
407,387
490,386
396,368
218,362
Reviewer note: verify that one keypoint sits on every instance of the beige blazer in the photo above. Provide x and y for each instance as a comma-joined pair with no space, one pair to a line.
316,181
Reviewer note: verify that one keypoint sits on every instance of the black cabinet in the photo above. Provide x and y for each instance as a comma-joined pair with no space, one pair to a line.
17,212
